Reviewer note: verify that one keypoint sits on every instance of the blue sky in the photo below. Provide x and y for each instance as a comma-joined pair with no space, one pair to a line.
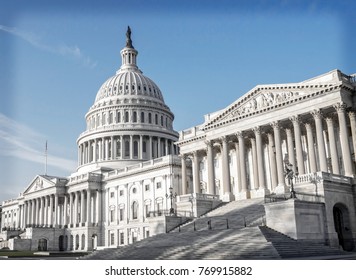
202,54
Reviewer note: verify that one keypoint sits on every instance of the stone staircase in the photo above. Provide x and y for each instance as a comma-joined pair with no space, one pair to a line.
255,241
245,243
236,214
289,248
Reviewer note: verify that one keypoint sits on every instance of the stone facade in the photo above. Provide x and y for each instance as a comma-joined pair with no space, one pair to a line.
134,169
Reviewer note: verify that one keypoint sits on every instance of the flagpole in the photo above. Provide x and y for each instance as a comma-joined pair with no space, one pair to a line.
46,159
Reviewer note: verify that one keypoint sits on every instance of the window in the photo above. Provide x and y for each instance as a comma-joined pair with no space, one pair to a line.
147,187
149,118
110,118
127,117
156,119
121,192
134,190
127,148
112,238
161,120
121,214
147,233
118,148
147,210
142,117
134,117
159,208
112,194
112,216
135,149
118,117
134,210
144,147
122,238
159,185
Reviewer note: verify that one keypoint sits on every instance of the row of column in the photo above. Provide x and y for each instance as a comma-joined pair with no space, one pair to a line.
124,147
275,154
73,209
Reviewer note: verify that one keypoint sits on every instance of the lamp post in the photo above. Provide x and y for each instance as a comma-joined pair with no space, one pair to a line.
171,196
289,173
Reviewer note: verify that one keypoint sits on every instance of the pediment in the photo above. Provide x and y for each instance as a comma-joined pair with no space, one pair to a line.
263,98
39,183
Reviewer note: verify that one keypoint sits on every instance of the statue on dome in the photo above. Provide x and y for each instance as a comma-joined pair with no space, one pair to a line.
128,38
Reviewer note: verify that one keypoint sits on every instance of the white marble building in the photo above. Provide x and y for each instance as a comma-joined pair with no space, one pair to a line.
128,165
244,151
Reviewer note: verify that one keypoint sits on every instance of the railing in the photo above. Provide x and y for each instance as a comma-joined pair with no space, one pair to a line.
275,198
200,196
299,196
168,213
221,223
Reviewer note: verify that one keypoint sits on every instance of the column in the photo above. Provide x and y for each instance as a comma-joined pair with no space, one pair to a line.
122,145
82,204
279,156
254,163
298,144
159,150
344,139
75,212
352,116
332,145
291,155
272,156
112,148
150,148
260,158
100,149
37,211
238,169
70,208
98,205
88,220
131,147
226,169
244,192
140,152
95,158
33,212
210,167
320,140
55,219
65,210
45,214
184,174
106,149
311,152
196,180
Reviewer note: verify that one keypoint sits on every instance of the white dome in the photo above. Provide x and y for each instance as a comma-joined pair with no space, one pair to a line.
129,122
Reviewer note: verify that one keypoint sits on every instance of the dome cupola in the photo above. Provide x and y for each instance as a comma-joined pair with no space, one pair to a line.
129,121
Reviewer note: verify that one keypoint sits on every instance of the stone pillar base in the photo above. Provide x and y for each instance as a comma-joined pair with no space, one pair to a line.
259,193
244,195
228,197
282,189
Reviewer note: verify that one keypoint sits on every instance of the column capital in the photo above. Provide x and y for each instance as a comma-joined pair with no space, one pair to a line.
340,107
257,130
275,124
329,120
295,119
317,114
239,134
351,114
183,156
209,143
308,125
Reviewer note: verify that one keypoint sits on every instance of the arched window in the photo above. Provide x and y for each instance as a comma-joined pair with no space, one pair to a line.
110,118
149,118
142,117
144,148
156,119
161,120
127,148
104,119
134,210
135,147
118,117
134,117
127,117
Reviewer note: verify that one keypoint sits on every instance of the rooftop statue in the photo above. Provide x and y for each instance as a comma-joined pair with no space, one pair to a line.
128,38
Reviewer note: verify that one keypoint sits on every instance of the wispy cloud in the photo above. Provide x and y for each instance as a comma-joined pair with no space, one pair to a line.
22,142
63,49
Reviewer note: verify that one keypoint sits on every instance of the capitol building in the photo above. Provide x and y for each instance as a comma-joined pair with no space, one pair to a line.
291,144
